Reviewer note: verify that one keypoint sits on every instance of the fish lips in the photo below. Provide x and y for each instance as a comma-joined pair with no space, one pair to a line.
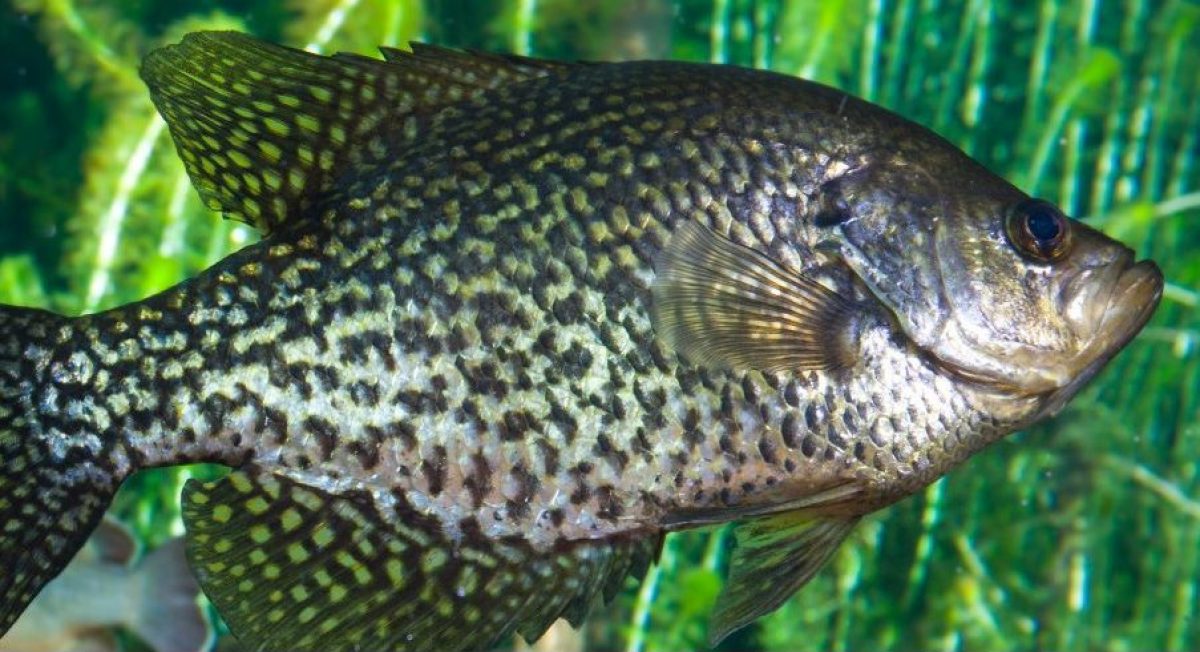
1107,324
1134,297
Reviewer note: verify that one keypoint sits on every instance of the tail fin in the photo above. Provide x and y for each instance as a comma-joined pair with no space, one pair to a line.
52,490
170,619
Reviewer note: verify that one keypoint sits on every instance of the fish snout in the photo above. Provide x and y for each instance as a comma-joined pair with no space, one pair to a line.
1115,313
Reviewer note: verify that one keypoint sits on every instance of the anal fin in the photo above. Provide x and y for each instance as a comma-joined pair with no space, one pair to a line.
773,557
291,566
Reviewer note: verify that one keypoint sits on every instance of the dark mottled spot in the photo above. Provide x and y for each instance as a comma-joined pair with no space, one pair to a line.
367,453
403,431
564,420
791,393
617,407
727,403
569,309
659,356
527,485
750,391
651,400
479,483
325,433
641,443
549,456
850,419
327,377
435,470
456,340
576,360
608,337
813,415
547,343
616,373
364,393
141,420
790,430
610,508
516,424
605,449
276,423
808,447
766,448
494,309
482,378
216,408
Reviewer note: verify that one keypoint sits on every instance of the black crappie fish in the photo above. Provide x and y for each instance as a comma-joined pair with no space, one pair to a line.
512,320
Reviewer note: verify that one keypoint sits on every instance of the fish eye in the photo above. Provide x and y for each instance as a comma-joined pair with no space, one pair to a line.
1039,230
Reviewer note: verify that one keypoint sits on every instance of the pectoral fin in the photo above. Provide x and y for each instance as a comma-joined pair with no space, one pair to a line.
773,557
292,567
726,305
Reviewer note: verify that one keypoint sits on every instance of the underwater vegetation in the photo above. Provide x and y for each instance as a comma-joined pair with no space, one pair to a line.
1080,534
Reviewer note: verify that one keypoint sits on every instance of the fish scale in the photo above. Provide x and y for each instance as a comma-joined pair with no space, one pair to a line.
509,323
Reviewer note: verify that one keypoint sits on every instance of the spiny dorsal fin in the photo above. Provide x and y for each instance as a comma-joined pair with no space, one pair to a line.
723,304
471,67
264,130
773,557
293,567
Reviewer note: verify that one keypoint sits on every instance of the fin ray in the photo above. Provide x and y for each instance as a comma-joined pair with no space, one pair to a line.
289,565
773,557
722,304
827,499
264,129
49,503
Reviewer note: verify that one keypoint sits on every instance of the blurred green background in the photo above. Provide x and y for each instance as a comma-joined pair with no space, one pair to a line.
1082,534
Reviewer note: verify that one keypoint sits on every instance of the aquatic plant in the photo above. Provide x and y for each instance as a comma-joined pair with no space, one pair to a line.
1080,534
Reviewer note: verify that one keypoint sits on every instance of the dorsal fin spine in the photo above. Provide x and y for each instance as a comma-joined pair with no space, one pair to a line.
264,129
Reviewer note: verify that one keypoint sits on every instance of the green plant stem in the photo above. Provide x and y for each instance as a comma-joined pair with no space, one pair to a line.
1164,489
522,33
645,597
718,40
330,26
114,217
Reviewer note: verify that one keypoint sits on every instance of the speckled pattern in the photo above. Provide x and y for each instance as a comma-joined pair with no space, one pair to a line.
468,324
451,323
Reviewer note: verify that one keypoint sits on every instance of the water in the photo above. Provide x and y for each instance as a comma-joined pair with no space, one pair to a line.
1081,534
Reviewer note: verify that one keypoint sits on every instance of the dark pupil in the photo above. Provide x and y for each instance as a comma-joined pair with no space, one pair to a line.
1043,224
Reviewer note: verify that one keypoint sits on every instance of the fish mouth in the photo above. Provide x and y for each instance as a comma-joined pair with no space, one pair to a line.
1134,291
1134,297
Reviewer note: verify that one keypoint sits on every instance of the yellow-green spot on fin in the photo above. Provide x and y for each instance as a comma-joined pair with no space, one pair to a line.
436,593
213,85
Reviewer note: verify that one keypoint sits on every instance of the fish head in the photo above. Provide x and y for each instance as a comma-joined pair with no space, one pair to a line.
1000,290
